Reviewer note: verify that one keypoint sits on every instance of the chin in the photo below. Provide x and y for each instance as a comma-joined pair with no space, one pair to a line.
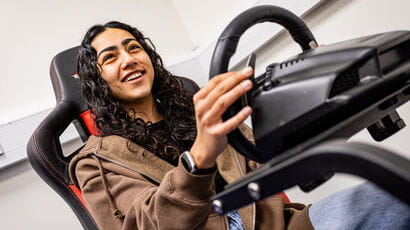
141,96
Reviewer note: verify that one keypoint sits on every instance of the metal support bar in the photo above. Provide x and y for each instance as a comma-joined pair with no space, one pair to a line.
388,170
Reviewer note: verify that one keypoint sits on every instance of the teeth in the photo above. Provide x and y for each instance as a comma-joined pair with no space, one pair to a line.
132,77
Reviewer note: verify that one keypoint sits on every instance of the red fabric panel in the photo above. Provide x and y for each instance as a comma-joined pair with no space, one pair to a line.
78,193
285,197
89,122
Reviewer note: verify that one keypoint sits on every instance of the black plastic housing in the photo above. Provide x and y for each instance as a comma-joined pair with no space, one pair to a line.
314,91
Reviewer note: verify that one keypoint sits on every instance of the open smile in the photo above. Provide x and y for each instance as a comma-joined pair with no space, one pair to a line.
133,76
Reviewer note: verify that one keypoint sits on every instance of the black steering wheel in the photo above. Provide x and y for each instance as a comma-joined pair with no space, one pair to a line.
226,47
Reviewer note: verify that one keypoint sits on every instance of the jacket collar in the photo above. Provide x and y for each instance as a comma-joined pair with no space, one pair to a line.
125,153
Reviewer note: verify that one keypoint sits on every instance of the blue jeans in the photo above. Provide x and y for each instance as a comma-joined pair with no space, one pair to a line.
361,207
235,221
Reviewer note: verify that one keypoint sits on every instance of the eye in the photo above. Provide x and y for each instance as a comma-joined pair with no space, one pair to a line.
107,58
133,47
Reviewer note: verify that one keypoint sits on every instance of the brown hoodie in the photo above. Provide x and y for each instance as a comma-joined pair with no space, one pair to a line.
127,187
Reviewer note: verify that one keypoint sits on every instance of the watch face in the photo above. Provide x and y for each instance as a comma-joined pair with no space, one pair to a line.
188,162
190,166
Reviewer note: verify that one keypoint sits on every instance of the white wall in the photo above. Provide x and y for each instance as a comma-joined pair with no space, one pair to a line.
34,31
28,203
204,20
30,26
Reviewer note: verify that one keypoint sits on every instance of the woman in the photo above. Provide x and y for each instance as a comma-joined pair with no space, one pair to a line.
161,155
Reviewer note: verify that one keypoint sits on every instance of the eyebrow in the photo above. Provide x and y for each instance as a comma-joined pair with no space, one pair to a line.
110,48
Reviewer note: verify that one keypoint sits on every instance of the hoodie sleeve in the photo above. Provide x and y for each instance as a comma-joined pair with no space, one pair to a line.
181,201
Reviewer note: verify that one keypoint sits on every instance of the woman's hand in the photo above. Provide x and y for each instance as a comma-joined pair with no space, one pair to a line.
210,103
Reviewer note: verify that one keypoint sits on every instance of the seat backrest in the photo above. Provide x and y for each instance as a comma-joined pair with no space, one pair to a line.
44,148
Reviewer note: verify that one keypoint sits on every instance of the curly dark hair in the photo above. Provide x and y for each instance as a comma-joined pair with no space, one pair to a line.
172,101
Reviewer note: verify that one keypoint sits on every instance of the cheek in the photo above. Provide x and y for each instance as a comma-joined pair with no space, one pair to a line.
152,65
147,60
110,75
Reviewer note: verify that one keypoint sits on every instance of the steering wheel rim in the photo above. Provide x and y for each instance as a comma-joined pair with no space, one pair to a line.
226,47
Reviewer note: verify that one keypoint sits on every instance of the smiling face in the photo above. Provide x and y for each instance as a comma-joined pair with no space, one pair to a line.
124,65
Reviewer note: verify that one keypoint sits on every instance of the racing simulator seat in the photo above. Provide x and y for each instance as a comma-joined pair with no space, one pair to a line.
330,93
44,147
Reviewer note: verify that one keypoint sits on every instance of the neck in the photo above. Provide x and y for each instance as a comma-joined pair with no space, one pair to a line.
144,108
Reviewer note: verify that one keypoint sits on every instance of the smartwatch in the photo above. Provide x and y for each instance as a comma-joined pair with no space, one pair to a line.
190,166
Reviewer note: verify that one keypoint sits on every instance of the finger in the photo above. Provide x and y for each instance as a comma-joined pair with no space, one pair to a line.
226,100
210,85
217,80
224,86
233,122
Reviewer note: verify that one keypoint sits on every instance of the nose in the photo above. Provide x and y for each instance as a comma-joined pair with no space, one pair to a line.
128,61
